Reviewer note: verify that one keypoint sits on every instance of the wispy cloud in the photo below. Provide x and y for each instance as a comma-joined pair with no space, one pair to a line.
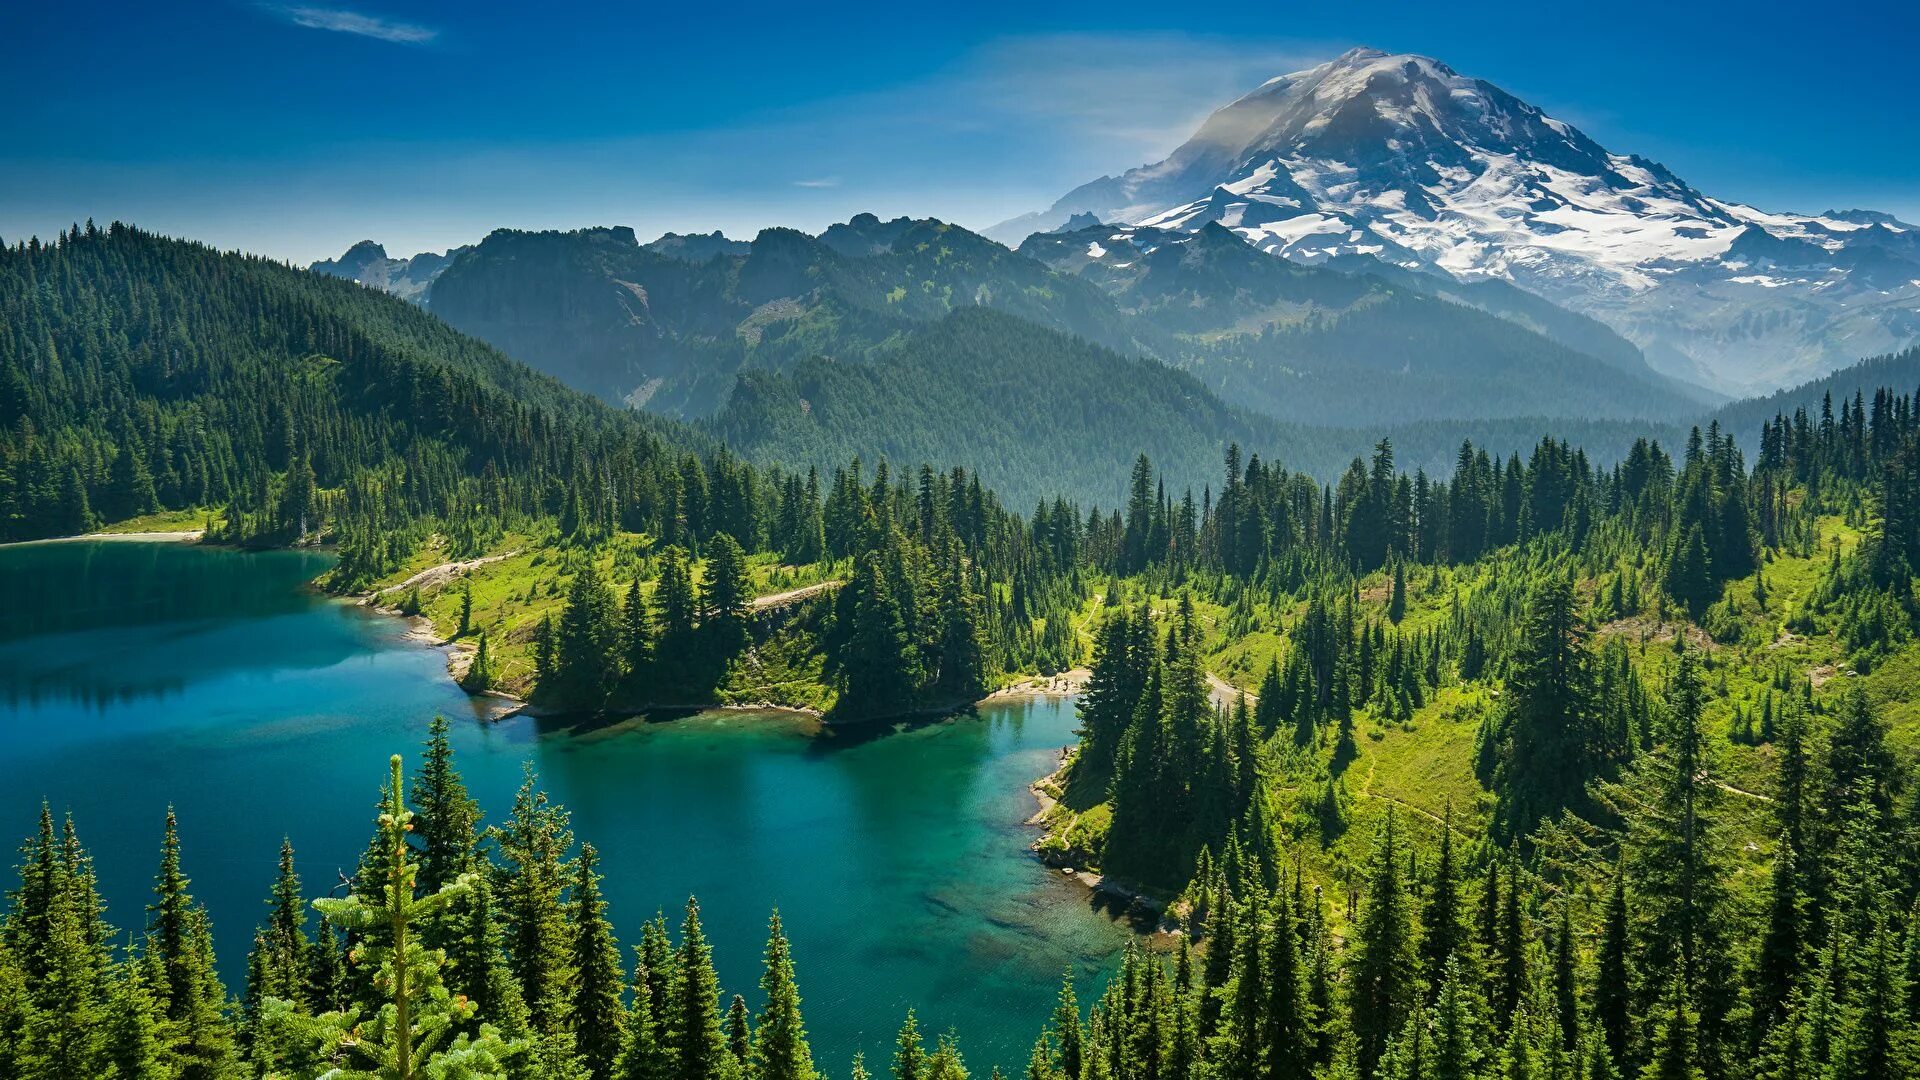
819,182
1136,93
353,22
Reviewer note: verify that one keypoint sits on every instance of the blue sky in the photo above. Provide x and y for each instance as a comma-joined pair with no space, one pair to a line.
294,129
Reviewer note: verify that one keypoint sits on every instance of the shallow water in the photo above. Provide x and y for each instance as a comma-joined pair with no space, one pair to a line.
135,675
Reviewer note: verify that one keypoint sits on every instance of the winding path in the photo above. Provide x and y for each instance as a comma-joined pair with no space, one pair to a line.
793,596
440,575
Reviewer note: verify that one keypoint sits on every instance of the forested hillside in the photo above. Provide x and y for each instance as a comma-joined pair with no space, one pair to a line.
650,328
1553,771
144,373
1038,413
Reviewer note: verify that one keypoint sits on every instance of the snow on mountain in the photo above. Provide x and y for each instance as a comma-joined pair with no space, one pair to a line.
368,263
1400,159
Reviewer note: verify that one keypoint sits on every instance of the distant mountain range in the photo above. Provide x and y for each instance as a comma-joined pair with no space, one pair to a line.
1396,160
668,325
368,263
1452,261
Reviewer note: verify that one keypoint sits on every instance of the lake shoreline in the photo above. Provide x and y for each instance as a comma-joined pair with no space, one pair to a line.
184,536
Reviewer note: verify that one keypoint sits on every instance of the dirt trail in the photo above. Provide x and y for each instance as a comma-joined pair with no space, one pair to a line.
1366,791
435,576
1224,693
779,599
1723,786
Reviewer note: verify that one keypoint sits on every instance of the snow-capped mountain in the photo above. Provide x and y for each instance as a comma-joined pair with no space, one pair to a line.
1399,159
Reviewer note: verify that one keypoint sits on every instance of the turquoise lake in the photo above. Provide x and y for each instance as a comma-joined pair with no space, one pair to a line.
137,675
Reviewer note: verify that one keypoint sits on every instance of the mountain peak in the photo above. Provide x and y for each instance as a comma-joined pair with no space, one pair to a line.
1397,158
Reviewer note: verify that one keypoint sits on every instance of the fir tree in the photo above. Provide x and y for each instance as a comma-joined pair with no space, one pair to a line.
1550,741
636,631
1612,1003
1458,1043
179,954
598,1015
909,1058
1674,1052
700,1048
780,1050
282,968
586,648
481,674
533,843
448,820
411,1034
1681,888
727,597
739,1034
1440,920
1066,1027
133,1046
1382,972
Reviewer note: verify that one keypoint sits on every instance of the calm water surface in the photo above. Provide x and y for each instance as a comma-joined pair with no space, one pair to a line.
137,675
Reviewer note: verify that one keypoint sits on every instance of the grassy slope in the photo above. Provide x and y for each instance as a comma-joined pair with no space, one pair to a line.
512,594
1424,767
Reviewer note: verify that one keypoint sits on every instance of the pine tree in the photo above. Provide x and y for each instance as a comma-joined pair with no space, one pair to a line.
179,953
909,1058
586,658
946,1064
533,843
1517,1056
636,631
598,1015
700,1048
481,674
1440,921
1550,740
1674,1052
133,1046
64,1027
476,965
1777,966
675,598
1868,1044
328,987
412,1033
1287,1017
877,660
1382,972
739,1034
1240,1052
1066,1027
963,645
1458,1045
780,1050
282,967
727,597
1612,1003
1566,1001
1512,981
1681,887
645,1055
449,818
